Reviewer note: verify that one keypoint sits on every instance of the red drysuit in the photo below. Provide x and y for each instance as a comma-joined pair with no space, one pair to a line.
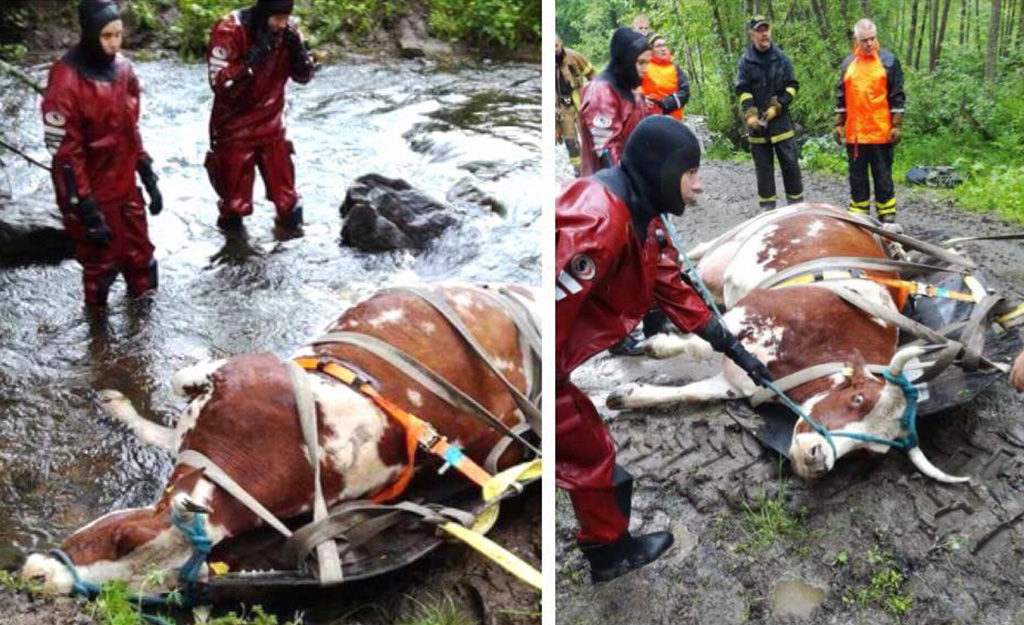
607,281
92,127
247,125
607,118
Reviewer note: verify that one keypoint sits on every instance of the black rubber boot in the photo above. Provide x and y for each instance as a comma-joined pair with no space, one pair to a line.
887,218
629,346
229,223
611,560
292,220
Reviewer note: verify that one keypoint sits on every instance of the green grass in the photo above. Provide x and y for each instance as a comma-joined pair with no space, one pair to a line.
766,520
439,612
886,589
11,581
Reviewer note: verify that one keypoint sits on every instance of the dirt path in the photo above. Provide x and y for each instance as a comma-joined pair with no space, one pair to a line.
874,542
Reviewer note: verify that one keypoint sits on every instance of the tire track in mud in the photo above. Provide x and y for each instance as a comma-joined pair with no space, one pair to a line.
957,549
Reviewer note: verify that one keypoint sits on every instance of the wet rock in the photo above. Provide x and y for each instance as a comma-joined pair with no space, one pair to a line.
31,232
466,193
412,36
11,558
382,214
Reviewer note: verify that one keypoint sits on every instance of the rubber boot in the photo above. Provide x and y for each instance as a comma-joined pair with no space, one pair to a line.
142,281
628,346
887,218
97,290
229,223
291,221
611,560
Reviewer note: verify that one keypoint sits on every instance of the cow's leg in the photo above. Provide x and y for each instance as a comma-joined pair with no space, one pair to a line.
647,395
119,408
668,345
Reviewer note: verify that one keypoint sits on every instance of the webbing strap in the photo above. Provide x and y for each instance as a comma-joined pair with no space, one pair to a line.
425,377
793,380
327,556
217,475
846,262
530,411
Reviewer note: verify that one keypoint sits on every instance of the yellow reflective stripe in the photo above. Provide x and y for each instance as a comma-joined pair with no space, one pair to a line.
745,96
576,99
768,199
792,91
799,196
861,211
890,204
757,140
1010,316
864,204
496,553
782,137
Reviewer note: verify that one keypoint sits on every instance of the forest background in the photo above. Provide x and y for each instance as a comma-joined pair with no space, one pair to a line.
963,64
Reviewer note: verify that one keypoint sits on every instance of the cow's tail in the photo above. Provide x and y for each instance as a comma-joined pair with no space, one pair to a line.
119,408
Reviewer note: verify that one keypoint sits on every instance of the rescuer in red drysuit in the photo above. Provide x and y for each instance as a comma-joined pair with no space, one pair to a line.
609,108
252,54
614,261
91,123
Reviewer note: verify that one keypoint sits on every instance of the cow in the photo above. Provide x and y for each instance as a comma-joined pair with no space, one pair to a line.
796,327
242,414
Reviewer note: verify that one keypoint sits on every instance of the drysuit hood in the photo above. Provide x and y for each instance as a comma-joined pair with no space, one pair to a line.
88,55
656,156
626,46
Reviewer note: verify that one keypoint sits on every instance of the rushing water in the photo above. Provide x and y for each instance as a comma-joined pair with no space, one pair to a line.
61,462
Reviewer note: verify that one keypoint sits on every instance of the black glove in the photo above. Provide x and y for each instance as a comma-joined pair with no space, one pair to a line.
668,103
298,54
149,178
262,46
96,230
725,342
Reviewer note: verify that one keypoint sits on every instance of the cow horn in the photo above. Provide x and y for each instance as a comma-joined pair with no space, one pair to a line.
905,355
925,466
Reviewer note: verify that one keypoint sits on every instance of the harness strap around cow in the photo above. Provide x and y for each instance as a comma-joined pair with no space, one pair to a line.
427,378
530,411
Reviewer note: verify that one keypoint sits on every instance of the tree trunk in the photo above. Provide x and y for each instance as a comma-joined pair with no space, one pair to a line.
864,9
789,13
922,35
993,40
977,25
963,23
913,33
821,18
719,28
933,33
942,35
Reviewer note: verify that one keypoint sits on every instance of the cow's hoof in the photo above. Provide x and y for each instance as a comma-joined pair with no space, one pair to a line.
617,399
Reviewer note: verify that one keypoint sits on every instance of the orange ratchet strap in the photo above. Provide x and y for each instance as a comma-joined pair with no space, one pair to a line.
417,431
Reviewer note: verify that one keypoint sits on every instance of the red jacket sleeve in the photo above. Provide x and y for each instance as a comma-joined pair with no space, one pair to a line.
64,131
225,57
680,302
601,113
588,244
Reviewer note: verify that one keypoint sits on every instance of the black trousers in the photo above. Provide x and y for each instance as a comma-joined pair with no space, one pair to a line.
877,158
764,166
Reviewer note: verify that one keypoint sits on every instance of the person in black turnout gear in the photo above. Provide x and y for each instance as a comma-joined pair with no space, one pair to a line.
766,88
658,174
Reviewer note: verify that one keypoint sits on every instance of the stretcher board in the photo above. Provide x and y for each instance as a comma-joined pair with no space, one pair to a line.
772,423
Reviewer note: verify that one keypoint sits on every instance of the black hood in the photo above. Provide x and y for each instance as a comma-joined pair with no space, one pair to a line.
265,8
656,155
627,44
88,55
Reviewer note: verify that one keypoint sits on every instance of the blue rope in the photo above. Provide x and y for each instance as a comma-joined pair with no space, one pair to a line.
909,420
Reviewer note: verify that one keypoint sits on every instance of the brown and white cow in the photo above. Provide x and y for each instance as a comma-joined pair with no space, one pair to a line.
796,327
242,415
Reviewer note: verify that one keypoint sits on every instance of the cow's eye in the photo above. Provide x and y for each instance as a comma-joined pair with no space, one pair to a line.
858,399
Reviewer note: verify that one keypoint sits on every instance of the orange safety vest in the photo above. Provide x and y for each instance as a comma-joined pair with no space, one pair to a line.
868,119
661,81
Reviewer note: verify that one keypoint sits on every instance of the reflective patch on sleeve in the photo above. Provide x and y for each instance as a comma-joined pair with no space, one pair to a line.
569,283
602,121
583,267
560,294
219,53
55,118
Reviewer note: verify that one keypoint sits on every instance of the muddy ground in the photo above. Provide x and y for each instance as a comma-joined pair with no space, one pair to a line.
874,542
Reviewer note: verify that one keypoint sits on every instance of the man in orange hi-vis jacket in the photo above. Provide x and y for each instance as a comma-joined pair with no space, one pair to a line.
869,120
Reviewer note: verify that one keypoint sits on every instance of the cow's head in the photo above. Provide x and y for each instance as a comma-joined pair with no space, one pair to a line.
860,404
126,545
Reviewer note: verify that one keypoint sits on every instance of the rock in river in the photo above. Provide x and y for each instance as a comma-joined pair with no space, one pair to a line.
382,214
31,232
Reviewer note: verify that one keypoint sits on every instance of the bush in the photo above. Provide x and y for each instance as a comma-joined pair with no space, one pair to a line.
196,21
501,23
